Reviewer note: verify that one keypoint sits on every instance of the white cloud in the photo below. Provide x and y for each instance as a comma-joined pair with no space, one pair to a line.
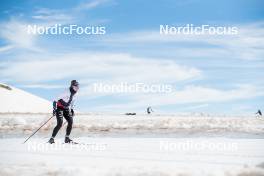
90,4
195,94
247,44
48,17
199,106
15,33
190,94
41,86
6,48
105,67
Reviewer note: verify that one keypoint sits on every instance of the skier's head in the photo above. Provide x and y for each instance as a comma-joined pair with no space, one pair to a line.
74,86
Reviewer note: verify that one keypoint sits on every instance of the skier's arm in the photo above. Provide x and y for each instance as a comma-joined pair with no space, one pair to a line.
73,104
72,107
72,112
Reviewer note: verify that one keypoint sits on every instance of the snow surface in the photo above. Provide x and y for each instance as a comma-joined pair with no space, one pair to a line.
16,100
131,156
134,146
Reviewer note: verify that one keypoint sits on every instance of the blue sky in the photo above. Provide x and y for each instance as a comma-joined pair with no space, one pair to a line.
209,73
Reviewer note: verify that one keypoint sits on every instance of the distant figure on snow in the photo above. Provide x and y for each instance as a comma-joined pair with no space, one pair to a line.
149,110
259,113
131,113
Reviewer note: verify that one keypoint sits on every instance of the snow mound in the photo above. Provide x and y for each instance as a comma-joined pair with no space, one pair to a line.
85,124
132,157
14,100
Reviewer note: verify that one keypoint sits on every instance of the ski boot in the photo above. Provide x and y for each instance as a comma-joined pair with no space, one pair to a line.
51,141
68,140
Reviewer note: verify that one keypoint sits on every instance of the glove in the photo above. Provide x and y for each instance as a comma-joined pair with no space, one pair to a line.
72,112
54,107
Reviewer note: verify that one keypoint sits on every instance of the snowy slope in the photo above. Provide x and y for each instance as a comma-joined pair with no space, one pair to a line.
15,100
133,157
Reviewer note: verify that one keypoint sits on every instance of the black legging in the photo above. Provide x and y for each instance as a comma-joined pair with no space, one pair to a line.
60,113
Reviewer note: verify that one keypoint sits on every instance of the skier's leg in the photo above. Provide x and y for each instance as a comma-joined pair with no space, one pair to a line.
67,115
59,116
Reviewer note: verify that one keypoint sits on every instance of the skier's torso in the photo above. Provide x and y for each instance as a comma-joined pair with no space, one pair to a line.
66,100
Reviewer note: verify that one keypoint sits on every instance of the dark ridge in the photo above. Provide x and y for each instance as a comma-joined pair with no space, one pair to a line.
5,87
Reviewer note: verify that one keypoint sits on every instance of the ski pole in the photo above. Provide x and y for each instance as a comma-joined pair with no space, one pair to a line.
37,130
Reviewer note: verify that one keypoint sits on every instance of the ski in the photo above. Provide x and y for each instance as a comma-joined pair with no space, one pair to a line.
72,142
